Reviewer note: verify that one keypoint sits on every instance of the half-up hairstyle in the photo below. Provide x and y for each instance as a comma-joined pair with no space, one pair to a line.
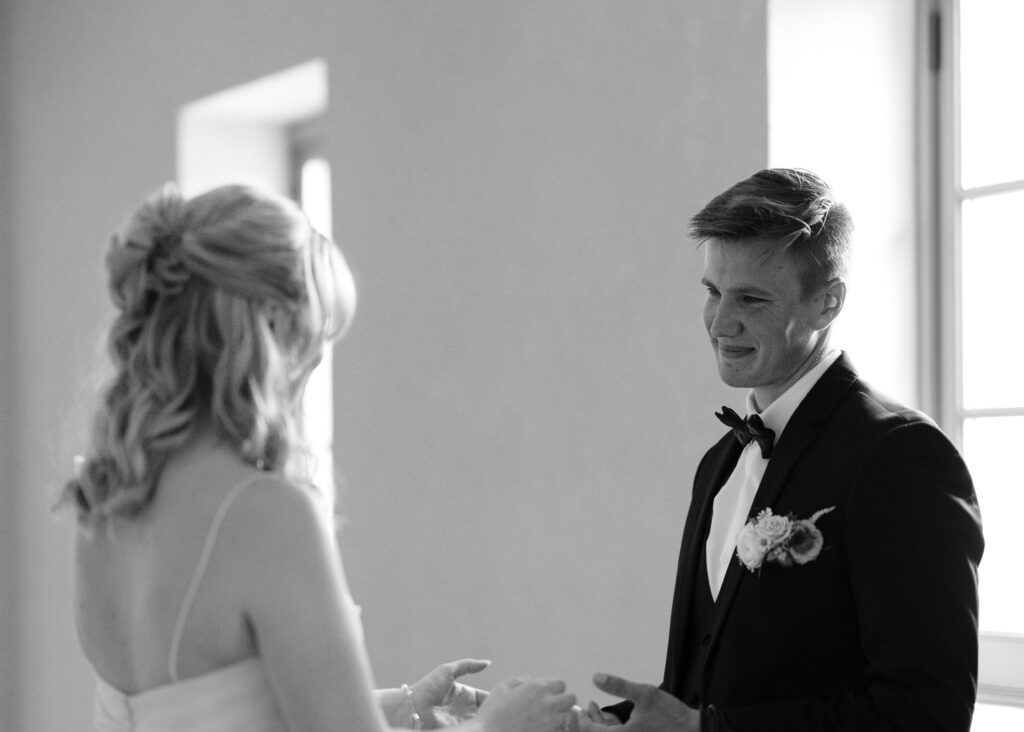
790,206
224,304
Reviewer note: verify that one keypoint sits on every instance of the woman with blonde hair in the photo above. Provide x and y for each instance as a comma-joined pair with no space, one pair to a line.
210,593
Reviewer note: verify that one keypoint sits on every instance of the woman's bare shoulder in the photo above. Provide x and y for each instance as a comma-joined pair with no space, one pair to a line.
276,525
275,503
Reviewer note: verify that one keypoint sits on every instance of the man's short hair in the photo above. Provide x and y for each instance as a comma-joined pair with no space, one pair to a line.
791,206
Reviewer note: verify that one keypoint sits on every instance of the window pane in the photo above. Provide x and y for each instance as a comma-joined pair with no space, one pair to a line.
989,718
991,448
992,254
991,92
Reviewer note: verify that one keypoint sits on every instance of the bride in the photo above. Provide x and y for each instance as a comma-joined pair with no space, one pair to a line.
209,590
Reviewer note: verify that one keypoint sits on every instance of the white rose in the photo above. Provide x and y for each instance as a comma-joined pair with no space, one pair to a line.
774,529
750,548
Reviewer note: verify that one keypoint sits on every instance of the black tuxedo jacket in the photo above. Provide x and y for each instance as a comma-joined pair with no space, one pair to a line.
880,631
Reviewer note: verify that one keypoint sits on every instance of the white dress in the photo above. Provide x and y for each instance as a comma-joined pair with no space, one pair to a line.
235,698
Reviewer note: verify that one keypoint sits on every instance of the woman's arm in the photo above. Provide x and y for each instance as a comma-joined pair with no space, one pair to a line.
294,596
296,600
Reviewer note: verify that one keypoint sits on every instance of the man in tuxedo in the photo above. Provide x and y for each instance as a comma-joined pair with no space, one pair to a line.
827,578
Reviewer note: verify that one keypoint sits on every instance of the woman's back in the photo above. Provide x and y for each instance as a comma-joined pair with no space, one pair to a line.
134,576
271,626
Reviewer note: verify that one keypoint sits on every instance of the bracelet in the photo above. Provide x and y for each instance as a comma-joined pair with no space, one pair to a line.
415,717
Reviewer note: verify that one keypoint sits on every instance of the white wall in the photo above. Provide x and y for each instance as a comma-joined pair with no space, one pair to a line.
526,391
842,102
8,494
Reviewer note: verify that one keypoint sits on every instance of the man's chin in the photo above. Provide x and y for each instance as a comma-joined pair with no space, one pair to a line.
732,374
734,378
736,361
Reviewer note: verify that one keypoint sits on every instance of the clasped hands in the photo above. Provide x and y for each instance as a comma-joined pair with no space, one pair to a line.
441,700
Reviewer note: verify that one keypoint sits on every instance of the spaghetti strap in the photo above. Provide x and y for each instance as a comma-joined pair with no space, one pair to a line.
204,559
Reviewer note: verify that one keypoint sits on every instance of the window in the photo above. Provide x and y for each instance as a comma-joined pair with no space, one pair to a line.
979,346
314,195
267,133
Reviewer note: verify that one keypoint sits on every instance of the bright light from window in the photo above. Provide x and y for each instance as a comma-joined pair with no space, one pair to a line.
991,403
318,405
315,183
992,100
990,718
990,447
992,260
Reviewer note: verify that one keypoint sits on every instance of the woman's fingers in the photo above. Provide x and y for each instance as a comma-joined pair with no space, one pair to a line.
466,666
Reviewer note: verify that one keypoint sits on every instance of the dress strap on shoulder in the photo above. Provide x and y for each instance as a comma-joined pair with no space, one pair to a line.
204,560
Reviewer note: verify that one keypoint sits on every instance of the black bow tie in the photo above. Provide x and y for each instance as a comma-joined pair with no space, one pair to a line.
751,428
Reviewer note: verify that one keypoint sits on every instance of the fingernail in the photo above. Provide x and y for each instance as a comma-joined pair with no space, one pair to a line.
600,678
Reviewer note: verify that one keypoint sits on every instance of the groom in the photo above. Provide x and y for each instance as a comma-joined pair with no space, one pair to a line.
828,573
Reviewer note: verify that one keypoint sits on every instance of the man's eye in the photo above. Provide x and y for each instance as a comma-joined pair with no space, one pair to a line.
752,300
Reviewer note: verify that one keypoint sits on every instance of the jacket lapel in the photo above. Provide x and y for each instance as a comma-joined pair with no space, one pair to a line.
800,433
728,453
712,474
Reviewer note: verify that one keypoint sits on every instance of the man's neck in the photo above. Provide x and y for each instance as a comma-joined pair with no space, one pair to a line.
763,398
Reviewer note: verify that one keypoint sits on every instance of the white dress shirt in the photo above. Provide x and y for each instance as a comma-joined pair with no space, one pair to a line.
733,502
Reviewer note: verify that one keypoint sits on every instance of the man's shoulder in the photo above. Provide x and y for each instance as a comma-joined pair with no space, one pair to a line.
848,396
865,419
879,406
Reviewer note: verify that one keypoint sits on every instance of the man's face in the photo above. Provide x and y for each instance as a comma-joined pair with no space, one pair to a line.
763,328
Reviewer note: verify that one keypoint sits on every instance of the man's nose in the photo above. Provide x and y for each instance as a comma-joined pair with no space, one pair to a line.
722,320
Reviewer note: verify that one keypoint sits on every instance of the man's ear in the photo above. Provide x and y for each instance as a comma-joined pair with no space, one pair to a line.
833,299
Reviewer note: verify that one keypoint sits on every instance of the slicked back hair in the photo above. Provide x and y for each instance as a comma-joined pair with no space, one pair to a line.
791,206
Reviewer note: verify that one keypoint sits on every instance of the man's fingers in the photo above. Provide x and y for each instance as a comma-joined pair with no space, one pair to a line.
620,687
594,719
598,715
510,683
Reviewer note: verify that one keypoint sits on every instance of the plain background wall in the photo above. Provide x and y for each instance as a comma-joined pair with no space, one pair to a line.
8,493
527,388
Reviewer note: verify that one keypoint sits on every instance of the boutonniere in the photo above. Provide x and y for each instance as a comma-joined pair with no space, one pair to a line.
783,540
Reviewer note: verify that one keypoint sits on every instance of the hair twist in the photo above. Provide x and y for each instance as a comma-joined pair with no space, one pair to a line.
146,260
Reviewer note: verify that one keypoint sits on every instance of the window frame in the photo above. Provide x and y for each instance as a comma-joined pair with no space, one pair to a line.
1001,662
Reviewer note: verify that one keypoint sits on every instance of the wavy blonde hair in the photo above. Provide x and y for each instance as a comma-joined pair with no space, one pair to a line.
225,303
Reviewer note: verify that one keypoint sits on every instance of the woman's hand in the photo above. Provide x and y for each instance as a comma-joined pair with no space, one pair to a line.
528,706
441,701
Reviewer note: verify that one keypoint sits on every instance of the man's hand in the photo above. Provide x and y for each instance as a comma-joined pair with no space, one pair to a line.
654,710
442,701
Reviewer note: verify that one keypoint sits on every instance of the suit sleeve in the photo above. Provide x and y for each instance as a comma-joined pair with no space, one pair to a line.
914,543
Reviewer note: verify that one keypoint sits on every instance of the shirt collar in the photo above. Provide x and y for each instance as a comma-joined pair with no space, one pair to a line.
776,415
